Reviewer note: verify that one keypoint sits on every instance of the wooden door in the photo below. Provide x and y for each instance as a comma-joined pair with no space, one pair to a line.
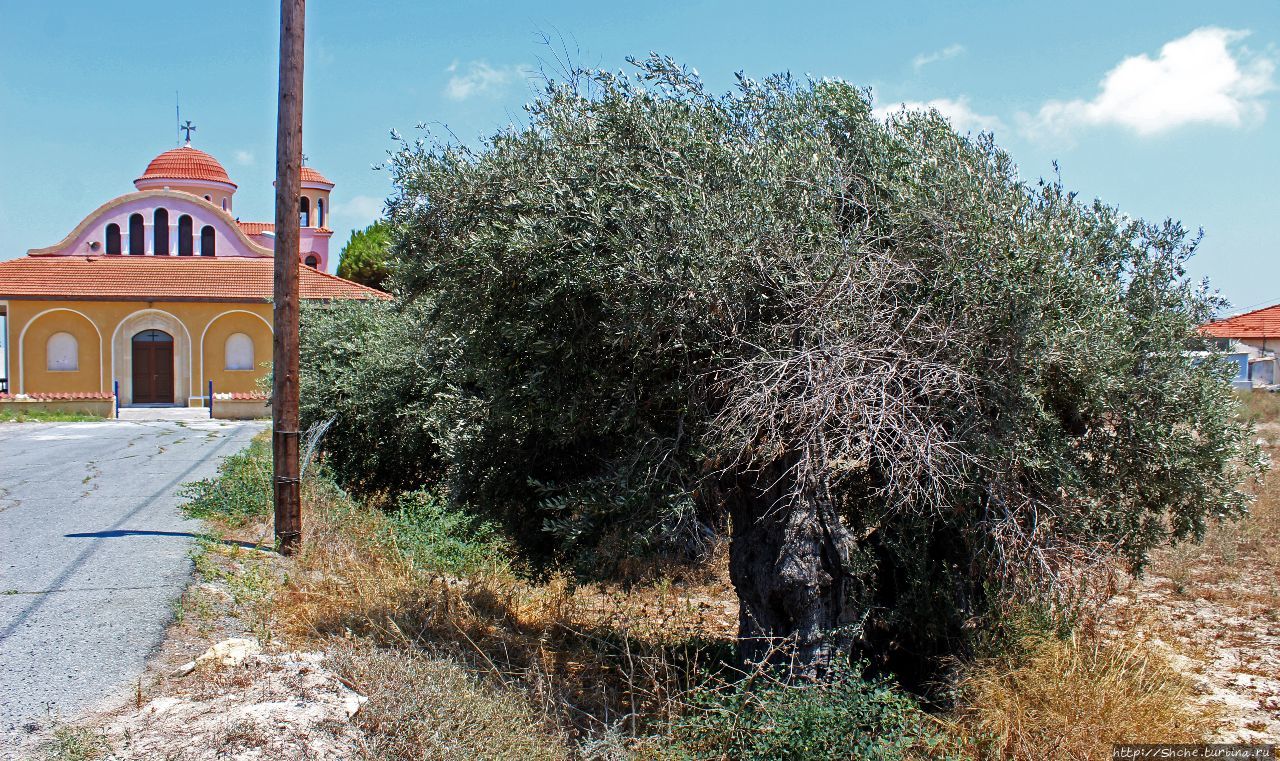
153,367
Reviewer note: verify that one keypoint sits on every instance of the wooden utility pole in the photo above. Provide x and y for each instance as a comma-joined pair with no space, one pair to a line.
284,388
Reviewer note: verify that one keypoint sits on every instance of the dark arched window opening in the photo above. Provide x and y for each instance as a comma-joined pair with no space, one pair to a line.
319,212
113,238
304,212
137,235
312,261
161,233
206,241
186,245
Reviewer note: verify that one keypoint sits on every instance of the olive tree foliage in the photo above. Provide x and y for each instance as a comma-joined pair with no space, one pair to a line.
907,383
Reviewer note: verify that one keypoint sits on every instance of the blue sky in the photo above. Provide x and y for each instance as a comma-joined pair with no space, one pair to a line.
1166,109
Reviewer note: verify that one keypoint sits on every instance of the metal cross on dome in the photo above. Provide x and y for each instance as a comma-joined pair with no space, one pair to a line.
188,127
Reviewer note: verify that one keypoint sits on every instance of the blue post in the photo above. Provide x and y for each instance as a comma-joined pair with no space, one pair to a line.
115,392
210,400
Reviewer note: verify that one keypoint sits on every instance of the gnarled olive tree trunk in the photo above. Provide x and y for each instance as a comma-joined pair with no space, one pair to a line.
789,560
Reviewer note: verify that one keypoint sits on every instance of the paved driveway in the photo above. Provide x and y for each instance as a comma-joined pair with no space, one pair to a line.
93,552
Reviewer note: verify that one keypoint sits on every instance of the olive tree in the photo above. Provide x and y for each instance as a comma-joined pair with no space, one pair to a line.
906,383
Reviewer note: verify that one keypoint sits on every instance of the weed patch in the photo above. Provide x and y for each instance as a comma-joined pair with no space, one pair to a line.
843,716
47,416
75,743
240,492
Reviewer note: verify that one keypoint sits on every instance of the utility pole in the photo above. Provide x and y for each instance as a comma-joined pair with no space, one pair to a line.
284,386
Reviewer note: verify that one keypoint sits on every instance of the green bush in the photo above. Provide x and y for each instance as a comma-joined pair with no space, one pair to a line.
906,381
372,372
445,539
241,490
842,717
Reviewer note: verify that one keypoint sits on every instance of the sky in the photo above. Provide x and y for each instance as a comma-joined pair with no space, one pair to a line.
1165,109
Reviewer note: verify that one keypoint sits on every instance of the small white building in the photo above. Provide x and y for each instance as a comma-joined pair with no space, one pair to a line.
1251,340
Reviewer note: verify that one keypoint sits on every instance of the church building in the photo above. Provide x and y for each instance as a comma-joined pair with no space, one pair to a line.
159,291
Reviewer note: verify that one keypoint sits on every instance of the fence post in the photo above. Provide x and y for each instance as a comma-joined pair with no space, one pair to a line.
211,400
115,394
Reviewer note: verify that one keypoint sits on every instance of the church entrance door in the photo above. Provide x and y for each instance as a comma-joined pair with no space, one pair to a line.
153,367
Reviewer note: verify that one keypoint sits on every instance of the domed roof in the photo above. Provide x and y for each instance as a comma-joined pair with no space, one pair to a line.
311,175
185,163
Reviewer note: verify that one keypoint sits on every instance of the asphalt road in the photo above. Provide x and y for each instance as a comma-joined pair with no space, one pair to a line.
93,554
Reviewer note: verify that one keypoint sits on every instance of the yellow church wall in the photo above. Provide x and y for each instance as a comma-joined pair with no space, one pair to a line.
215,352
34,344
103,330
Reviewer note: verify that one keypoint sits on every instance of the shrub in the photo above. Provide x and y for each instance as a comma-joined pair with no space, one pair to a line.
907,382
444,539
843,716
239,492
371,372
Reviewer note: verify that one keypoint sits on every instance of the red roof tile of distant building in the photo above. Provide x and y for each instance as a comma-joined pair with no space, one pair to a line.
311,175
163,278
1260,323
256,228
58,396
186,163
263,228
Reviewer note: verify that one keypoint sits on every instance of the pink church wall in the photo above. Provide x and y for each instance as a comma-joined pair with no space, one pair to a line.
228,241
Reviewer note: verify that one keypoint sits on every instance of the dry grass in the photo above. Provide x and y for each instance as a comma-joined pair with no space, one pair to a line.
590,661
494,665
1073,698
1259,406
431,709
1164,662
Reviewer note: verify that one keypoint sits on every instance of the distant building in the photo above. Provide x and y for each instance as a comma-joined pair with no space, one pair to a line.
160,290
1251,340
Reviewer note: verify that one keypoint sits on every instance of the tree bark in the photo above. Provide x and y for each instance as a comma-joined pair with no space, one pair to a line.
789,562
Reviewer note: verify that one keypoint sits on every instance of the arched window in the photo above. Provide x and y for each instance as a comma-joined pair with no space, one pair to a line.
62,352
207,198
186,243
161,232
113,238
137,235
239,352
312,261
304,212
224,203
206,241
319,212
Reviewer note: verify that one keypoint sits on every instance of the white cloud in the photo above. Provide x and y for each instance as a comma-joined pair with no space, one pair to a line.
479,78
244,158
957,110
1206,77
924,59
356,212
360,207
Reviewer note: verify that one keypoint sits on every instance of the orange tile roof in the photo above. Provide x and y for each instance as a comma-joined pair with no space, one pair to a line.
186,163
163,278
311,175
1260,323
58,396
256,228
